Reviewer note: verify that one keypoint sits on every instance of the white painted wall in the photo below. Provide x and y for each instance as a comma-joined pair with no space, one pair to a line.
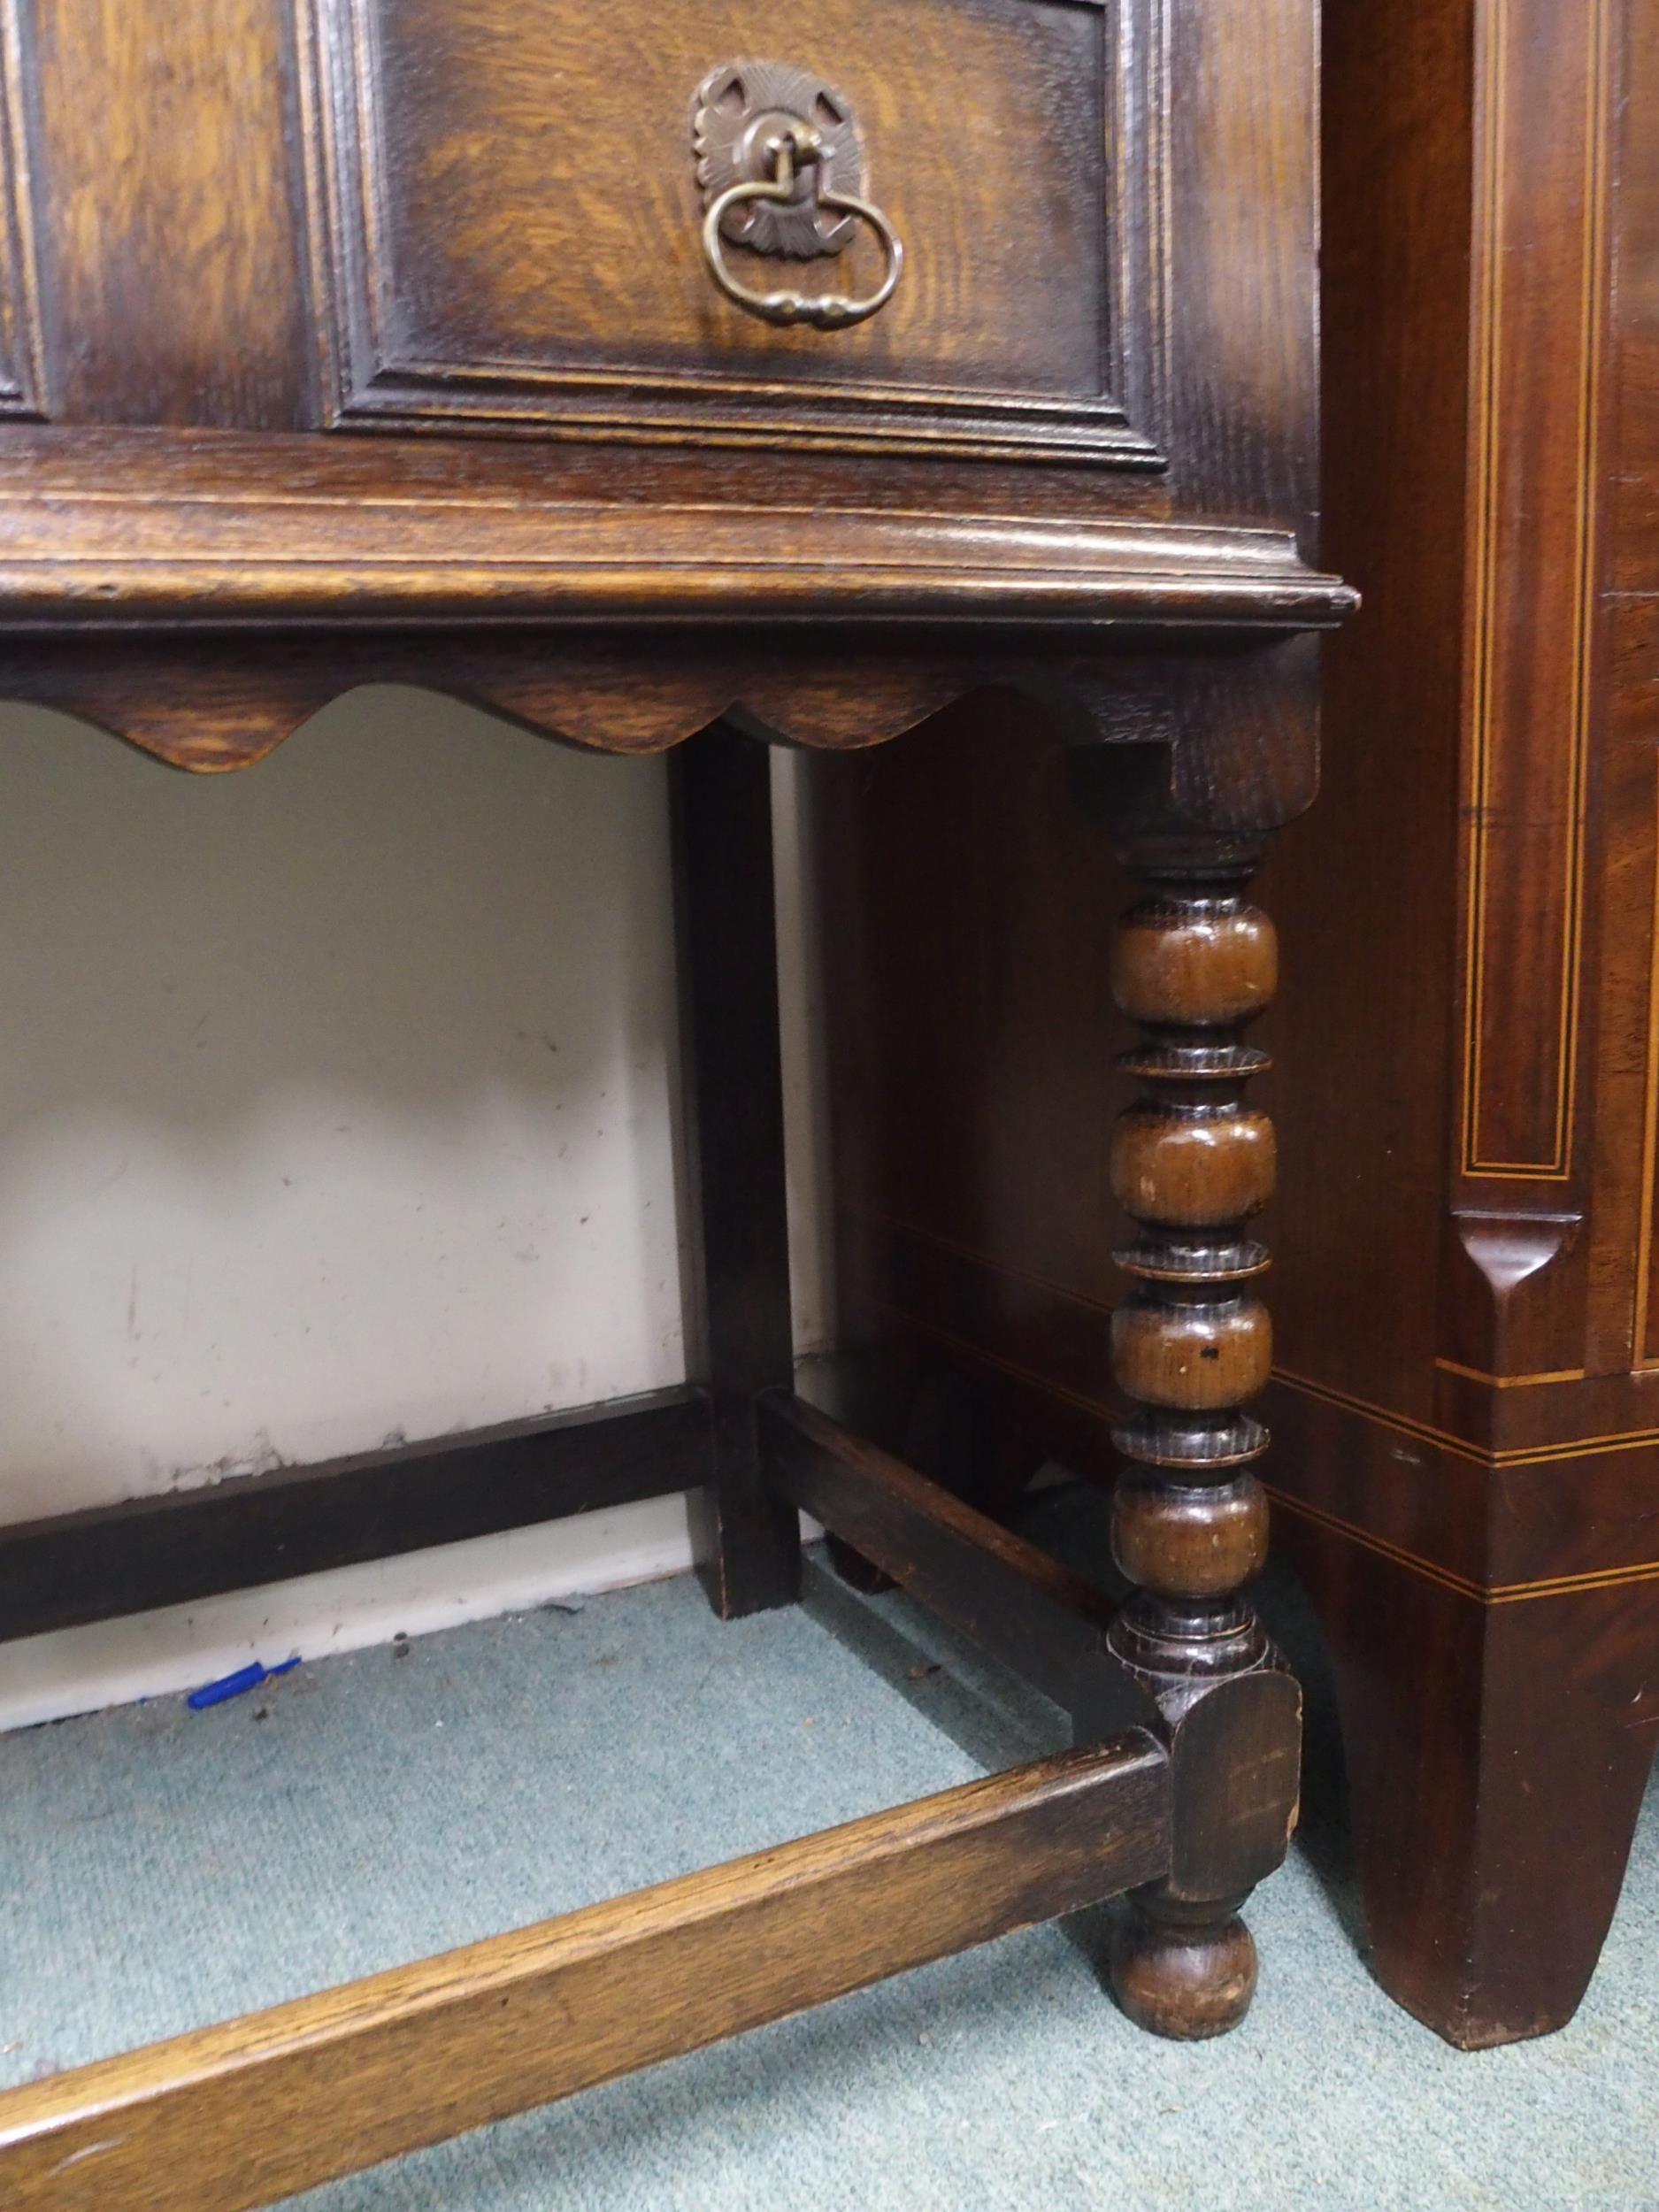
337,1103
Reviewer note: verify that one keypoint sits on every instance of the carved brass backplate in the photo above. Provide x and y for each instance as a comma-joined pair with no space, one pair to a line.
742,110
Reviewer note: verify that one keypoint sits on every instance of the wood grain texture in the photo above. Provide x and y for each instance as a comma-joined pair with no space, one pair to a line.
1191,1350
737,1230
439,211
1497,1757
499,250
1539,281
979,967
1632,498
1632,883
232,530
1376,998
98,1564
23,389
1509,1387
411,217
213,701
171,213
1244,210
282,2100
1467,1402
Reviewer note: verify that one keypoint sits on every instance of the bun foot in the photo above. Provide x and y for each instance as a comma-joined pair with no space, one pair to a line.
1182,1977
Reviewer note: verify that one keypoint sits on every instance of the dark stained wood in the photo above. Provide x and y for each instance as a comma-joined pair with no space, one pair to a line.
169,210
1244,210
95,1565
1045,1622
1194,964
561,283
1510,1132
947,1430
1536,322
1183,1981
741,1324
221,701
279,2100
377,341
225,529
22,341
1466,1401
1215,1691
449,212
1105,277
1497,1754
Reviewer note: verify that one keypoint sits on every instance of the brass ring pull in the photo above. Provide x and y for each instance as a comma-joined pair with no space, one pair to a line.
800,143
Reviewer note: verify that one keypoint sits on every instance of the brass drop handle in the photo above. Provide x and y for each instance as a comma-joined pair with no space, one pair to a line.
794,147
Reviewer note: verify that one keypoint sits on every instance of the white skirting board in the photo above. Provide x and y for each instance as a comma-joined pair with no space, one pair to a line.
167,1653
178,1648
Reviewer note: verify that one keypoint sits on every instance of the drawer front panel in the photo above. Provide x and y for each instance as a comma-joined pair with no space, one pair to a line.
507,220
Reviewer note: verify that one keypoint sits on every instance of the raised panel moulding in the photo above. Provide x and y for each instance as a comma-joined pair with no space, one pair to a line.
222,530
562,293
22,345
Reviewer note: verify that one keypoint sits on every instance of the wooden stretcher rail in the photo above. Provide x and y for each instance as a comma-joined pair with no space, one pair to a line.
236,2116
195,1544
1033,1614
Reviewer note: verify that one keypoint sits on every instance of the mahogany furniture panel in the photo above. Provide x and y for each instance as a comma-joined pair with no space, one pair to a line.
711,378
1465,1399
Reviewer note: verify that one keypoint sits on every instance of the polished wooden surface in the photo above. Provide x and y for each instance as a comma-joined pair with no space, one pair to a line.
1039,1618
1194,965
260,256
358,341
1497,1029
279,2100
1466,1391
558,282
225,529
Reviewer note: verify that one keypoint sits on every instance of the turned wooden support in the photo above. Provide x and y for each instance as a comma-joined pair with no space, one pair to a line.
1192,1163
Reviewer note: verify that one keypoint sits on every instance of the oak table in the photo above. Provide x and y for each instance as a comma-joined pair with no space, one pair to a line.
718,374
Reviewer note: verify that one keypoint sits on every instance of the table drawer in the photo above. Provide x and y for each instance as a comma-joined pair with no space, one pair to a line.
507,203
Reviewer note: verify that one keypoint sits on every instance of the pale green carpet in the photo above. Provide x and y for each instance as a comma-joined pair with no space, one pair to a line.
160,1869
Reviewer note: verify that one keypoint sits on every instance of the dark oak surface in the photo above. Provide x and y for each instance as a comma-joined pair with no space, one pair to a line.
354,340
279,2100
174,1549
731,1110
558,283
223,529
1124,224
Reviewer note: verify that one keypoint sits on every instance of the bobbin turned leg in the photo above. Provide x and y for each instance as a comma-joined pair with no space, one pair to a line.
1192,1163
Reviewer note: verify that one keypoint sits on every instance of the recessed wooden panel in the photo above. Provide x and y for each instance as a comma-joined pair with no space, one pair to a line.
22,367
1538,397
507,223
170,214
